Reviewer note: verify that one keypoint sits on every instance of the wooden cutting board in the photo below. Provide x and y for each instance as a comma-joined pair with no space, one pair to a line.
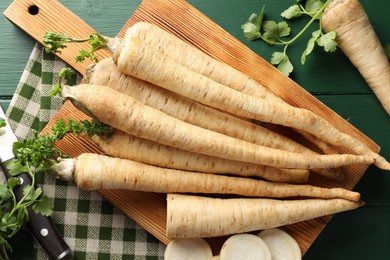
185,21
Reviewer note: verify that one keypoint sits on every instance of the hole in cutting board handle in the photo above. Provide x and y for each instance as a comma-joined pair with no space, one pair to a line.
33,9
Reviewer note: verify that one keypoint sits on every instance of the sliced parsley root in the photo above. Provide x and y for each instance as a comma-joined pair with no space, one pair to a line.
274,33
359,42
191,248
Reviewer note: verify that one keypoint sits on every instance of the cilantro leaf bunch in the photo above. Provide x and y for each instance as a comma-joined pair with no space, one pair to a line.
279,33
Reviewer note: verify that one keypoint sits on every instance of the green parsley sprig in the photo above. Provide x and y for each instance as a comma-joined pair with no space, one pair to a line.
34,155
54,42
90,128
276,33
2,122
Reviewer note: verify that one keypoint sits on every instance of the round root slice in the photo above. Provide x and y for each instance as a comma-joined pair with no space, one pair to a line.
281,244
188,248
243,247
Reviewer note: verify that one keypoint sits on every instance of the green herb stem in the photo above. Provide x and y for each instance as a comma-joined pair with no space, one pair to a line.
273,33
308,24
54,42
3,254
21,201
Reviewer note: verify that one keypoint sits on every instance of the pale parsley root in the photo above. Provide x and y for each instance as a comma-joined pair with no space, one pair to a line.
281,244
198,216
188,248
245,247
277,33
359,42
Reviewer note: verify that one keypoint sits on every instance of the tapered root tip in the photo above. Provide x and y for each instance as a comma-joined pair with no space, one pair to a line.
381,162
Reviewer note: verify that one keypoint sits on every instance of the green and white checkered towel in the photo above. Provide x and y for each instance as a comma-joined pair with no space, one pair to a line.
92,227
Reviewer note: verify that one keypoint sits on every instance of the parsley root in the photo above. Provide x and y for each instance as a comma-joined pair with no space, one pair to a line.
195,216
122,145
357,39
106,73
143,61
139,59
93,172
245,247
281,244
192,248
135,118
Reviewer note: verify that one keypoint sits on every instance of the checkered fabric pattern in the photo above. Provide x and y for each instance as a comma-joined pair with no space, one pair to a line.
92,227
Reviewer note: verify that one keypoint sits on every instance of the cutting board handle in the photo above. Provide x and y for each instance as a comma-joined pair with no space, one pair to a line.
53,16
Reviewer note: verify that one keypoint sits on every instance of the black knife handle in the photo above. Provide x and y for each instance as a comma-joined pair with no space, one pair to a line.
41,227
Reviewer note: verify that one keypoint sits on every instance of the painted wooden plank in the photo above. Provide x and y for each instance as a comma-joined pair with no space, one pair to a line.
355,235
307,78
4,103
222,46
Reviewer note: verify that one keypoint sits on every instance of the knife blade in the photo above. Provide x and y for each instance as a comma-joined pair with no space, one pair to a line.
42,228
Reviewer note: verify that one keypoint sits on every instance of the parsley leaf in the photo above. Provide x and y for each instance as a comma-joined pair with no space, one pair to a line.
292,12
328,41
253,26
312,7
283,62
91,128
34,155
13,182
5,194
31,193
310,45
2,122
54,42
272,32
15,167
43,206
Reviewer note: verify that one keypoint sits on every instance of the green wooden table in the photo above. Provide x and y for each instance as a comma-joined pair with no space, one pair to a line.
359,234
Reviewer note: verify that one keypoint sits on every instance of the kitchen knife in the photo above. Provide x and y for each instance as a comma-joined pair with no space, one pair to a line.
41,227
